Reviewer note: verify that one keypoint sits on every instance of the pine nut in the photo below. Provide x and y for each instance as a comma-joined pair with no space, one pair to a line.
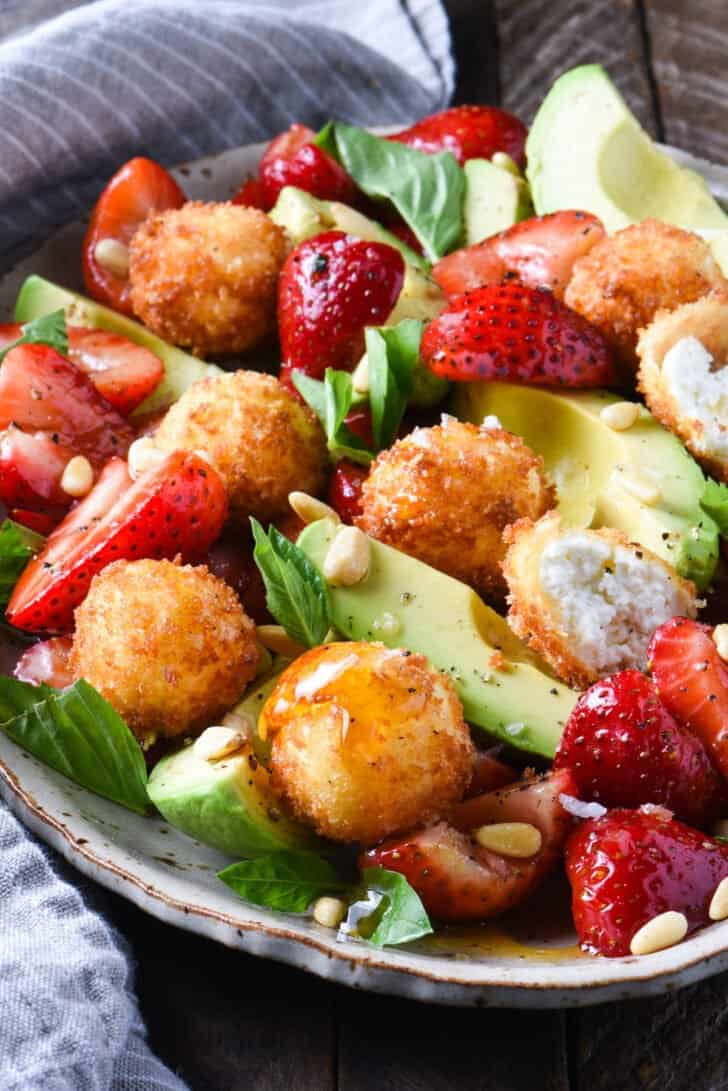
664,930
641,488
519,839
720,638
620,415
718,908
78,476
113,256
243,725
142,456
505,162
276,639
309,509
491,422
360,376
347,561
217,742
329,912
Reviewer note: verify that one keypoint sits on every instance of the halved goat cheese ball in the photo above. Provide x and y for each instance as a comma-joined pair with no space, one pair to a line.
684,379
588,600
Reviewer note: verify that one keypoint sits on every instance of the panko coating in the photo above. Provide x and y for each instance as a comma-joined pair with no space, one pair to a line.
684,379
626,278
169,646
366,740
446,494
588,600
260,439
205,276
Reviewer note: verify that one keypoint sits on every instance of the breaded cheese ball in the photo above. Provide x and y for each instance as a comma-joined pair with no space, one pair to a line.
366,740
204,276
626,278
588,600
260,439
445,495
169,646
684,379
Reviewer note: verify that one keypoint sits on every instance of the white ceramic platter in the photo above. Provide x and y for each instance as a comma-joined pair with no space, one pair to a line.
535,965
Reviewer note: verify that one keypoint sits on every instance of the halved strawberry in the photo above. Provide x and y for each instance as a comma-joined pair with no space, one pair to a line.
47,662
250,194
42,521
459,880
469,132
517,334
138,188
177,507
345,490
292,159
31,468
540,252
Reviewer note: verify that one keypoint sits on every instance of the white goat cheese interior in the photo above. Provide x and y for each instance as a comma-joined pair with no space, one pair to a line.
700,393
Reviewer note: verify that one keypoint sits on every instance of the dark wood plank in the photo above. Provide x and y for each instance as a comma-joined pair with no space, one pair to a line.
475,45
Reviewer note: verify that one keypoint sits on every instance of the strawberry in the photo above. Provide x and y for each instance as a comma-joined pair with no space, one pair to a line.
489,773
455,877
31,468
540,252
624,748
692,681
251,195
138,188
629,866
231,558
517,334
292,159
332,286
47,662
345,490
42,521
469,132
176,507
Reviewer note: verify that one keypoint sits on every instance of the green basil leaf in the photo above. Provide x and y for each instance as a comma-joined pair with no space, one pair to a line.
714,501
288,881
400,916
17,546
392,360
295,591
331,401
326,140
428,191
49,329
79,734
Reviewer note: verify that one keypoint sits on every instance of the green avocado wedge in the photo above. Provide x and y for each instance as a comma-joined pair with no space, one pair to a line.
592,467
504,689
38,296
494,200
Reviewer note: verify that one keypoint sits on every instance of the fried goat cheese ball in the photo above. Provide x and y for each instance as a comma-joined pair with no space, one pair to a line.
366,741
684,379
260,439
588,600
169,646
445,495
626,278
205,276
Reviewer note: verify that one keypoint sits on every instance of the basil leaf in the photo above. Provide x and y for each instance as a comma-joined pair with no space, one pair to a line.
400,916
714,501
331,401
288,881
295,591
392,360
17,546
49,329
79,734
428,191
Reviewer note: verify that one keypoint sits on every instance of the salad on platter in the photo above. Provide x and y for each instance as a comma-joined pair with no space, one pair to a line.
369,526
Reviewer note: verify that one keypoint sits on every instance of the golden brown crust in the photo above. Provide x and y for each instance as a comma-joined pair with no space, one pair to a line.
204,276
445,495
261,440
169,646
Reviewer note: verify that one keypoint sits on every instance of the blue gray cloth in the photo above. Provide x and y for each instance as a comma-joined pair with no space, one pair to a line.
81,92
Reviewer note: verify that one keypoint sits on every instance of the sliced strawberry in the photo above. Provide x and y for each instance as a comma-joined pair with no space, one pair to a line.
629,866
540,252
455,877
331,287
176,507
31,468
345,490
469,132
489,773
251,195
516,334
47,662
624,749
42,522
138,188
291,159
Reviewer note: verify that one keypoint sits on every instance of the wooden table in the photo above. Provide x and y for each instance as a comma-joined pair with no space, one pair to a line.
228,1022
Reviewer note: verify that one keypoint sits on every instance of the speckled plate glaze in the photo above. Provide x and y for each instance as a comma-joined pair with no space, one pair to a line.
535,965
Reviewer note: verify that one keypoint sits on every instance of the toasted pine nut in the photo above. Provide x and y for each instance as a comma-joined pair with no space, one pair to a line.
664,930
276,639
505,162
113,256
360,376
243,725
347,561
720,638
78,476
718,908
641,487
491,422
620,415
519,839
143,454
310,509
329,912
217,742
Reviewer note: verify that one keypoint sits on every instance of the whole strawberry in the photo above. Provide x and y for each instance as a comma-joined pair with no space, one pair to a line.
624,748
469,132
631,866
518,335
331,287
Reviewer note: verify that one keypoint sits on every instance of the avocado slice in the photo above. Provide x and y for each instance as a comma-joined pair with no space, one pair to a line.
587,461
227,804
494,200
586,150
504,688
38,296
253,701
